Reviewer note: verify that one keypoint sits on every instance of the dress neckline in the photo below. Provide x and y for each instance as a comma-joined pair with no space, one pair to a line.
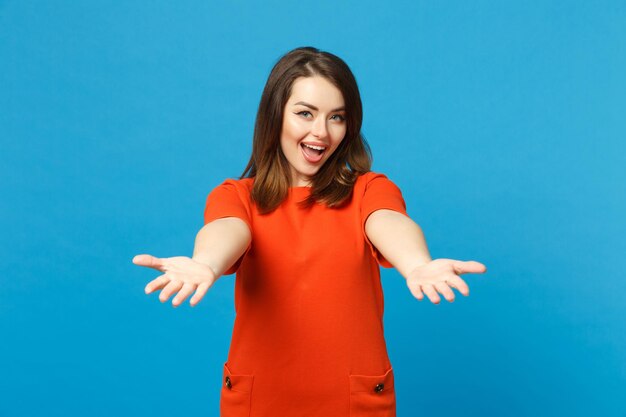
303,189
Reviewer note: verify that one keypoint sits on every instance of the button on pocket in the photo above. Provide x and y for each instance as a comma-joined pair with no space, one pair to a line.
236,393
372,395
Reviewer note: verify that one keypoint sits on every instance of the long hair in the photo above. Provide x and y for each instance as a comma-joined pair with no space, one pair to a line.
333,182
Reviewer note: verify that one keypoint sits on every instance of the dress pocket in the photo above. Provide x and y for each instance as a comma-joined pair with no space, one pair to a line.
372,395
235,395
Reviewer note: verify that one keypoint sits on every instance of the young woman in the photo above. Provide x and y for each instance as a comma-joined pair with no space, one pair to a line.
305,228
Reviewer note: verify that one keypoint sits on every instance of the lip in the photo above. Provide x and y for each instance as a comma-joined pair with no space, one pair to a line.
317,158
320,144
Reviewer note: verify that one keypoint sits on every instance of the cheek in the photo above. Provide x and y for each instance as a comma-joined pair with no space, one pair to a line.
339,136
293,129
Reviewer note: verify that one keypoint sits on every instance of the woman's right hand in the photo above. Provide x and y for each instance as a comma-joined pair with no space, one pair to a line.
181,274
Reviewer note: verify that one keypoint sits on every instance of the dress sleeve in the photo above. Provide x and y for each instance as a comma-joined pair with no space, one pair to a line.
229,199
380,193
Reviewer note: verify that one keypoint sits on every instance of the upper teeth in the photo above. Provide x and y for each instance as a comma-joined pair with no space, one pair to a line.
317,148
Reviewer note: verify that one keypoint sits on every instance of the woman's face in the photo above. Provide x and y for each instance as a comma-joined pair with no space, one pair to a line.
313,126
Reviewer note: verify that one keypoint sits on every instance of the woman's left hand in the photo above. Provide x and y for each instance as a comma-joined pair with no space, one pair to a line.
439,275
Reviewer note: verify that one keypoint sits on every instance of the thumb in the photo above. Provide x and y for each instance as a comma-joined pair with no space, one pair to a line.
148,260
469,267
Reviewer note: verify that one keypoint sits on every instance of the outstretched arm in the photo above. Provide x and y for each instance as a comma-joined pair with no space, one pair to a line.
221,242
401,241
218,246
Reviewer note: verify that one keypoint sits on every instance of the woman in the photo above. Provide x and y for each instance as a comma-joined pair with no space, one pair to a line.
305,228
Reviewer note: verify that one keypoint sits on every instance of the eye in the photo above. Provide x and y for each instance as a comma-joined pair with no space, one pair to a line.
302,113
341,118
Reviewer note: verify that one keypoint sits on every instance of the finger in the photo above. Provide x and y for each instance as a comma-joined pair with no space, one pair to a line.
455,282
415,290
157,284
431,293
148,261
468,267
169,289
202,289
443,288
186,290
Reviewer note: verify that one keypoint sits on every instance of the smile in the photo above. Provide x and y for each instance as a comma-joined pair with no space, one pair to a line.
312,153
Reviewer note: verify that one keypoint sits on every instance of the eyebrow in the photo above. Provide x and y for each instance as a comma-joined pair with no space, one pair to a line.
315,108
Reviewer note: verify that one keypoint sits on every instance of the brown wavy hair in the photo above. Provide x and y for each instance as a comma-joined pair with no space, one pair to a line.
332,184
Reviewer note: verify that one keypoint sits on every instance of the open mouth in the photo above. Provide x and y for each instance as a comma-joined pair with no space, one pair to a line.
312,153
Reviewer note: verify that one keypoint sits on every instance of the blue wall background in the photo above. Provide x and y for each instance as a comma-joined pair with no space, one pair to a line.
502,122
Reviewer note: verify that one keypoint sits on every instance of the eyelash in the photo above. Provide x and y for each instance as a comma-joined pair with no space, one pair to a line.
341,118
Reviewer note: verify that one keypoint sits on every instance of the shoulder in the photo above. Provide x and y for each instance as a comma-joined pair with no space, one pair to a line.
372,179
243,184
231,198
375,189
231,188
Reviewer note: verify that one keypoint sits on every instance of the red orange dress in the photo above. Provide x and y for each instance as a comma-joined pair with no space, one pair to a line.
308,334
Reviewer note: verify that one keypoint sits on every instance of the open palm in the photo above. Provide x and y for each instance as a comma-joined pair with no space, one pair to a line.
439,275
181,274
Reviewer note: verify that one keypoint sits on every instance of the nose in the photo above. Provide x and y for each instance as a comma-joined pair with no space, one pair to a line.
319,128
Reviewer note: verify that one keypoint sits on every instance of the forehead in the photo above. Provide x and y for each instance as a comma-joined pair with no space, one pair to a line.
317,91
